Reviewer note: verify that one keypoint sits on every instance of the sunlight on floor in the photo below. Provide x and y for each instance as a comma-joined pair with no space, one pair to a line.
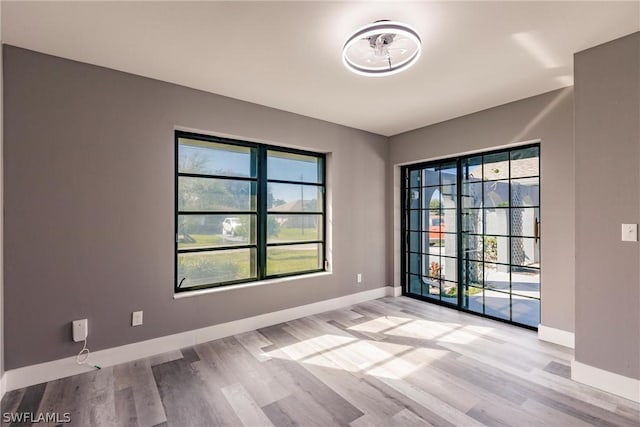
377,357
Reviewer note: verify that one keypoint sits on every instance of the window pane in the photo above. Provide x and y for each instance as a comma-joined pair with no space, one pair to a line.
204,268
415,179
496,276
525,162
448,220
293,167
431,198
472,169
210,158
526,310
450,292
210,194
449,268
497,304
525,281
473,299
208,231
496,194
450,244
434,245
496,166
414,264
525,192
525,251
294,198
294,258
434,224
496,221
472,247
414,220
472,195
496,249
449,196
430,176
523,221
431,288
431,266
415,284
292,228
473,273
414,241
415,198
472,221
448,174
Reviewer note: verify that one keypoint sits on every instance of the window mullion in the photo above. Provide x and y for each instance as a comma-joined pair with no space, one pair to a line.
262,212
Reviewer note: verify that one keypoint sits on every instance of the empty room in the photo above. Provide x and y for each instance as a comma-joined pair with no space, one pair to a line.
317,213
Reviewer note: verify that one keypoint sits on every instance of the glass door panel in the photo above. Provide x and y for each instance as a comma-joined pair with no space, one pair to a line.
472,234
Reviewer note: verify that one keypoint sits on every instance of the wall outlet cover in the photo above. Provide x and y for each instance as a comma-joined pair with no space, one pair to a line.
629,232
136,318
80,329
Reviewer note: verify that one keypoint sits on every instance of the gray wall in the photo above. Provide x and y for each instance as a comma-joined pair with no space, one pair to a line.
607,125
89,190
547,117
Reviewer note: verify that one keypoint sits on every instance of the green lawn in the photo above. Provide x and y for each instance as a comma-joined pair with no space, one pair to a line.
296,233
282,260
202,240
211,267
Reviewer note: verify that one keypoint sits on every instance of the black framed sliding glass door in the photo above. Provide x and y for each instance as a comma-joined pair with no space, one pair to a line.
432,213
472,234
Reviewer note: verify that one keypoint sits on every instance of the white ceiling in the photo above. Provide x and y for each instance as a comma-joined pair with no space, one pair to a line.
287,55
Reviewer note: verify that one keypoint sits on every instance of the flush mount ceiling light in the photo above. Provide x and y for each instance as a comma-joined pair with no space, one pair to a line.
381,49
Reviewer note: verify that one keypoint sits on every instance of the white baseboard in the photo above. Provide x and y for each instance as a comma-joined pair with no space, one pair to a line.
394,291
48,371
617,384
556,336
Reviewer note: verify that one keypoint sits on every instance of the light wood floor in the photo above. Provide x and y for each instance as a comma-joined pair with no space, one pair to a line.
389,362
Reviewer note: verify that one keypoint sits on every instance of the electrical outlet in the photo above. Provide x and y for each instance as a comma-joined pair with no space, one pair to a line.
629,232
359,278
80,329
136,318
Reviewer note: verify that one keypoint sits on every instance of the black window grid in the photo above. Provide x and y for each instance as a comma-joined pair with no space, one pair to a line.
261,212
464,178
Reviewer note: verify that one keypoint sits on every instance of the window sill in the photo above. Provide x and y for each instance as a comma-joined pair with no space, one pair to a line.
188,294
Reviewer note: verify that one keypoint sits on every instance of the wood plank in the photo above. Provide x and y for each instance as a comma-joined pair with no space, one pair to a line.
31,399
212,379
11,400
558,369
246,370
183,394
245,407
138,376
189,355
407,418
254,342
126,408
302,410
551,416
165,357
341,410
